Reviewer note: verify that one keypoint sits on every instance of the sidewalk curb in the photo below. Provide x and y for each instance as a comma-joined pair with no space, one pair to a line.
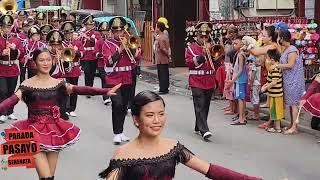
185,91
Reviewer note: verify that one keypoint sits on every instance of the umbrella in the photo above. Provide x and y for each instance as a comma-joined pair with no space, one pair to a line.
108,18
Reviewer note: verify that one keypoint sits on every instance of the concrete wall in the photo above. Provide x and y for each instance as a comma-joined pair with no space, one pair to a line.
117,7
253,12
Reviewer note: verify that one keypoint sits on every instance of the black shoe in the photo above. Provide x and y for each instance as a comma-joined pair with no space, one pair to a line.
88,97
162,93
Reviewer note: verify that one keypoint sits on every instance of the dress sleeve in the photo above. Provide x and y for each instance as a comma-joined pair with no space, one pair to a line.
115,171
184,154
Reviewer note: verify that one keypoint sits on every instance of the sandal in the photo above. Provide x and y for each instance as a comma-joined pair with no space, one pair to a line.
228,113
290,132
226,107
263,125
239,123
235,117
273,130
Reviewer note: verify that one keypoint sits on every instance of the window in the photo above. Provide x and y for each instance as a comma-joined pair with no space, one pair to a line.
239,4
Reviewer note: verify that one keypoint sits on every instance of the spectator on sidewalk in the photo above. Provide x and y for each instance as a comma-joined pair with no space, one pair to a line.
239,80
229,58
254,84
293,77
274,88
162,56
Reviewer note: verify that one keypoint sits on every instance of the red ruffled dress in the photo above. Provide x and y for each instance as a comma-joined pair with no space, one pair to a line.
43,104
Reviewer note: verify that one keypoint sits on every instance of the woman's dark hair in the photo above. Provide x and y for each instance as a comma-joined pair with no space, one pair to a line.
274,54
37,52
161,26
142,99
271,30
285,35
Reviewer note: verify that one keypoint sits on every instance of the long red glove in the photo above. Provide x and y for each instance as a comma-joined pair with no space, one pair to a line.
85,90
221,173
311,90
9,103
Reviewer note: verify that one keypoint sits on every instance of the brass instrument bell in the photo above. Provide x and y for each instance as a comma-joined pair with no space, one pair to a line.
67,56
8,6
217,51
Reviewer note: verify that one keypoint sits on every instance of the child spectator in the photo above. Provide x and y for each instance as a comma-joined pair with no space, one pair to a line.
274,88
254,83
239,80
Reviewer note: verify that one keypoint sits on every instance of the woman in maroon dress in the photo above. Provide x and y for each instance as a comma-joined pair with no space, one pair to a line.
151,157
43,95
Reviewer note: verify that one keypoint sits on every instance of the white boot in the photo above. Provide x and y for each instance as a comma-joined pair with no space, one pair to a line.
12,117
73,114
3,119
124,137
107,101
117,139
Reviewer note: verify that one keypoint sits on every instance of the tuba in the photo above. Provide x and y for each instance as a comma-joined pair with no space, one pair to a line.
65,61
10,6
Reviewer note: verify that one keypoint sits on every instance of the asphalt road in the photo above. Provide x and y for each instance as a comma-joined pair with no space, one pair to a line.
246,149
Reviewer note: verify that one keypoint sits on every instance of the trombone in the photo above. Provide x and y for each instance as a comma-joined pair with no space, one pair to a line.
65,58
133,43
208,54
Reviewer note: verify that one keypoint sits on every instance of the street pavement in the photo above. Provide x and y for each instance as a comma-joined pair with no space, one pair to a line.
246,149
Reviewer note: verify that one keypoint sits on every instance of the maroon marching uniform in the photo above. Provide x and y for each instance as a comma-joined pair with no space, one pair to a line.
100,45
23,37
89,59
9,69
118,70
312,97
72,77
201,81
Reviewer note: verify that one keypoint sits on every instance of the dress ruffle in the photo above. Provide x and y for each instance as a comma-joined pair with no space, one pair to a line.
53,136
312,105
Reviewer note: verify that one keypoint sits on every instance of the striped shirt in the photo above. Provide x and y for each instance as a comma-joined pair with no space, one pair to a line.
275,74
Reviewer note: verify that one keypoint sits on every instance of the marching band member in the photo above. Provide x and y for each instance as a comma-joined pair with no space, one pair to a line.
45,29
201,78
55,21
54,39
100,45
134,70
22,16
11,50
89,60
32,44
118,70
23,37
73,74
40,19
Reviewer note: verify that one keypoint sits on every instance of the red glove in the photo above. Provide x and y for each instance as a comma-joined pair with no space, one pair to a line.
9,103
221,173
311,90
86,90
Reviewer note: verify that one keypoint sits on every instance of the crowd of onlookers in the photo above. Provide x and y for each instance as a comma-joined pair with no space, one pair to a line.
274,68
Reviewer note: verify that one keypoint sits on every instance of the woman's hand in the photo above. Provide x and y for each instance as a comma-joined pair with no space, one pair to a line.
112,91
302,102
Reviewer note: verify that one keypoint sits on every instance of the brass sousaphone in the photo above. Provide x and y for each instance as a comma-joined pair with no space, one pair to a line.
10,6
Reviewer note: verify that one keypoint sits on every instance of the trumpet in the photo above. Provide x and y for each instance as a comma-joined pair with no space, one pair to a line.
133,42
65,58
